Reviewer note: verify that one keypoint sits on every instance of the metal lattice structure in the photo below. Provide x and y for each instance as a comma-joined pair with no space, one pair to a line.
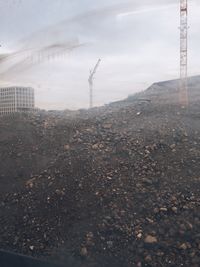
183,52
90,80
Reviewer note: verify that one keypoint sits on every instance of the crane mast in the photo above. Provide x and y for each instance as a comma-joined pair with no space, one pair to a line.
90,80
183,52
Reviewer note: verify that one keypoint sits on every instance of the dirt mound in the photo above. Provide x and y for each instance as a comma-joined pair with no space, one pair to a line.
121,189
29,143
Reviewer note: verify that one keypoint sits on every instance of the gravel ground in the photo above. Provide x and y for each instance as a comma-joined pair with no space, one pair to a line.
119,185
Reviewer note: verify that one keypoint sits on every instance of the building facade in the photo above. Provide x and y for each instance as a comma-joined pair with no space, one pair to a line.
16,99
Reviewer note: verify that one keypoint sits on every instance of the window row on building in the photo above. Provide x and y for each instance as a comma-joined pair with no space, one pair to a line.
16,99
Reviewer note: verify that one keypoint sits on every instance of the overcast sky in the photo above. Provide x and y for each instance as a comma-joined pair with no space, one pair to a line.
138,42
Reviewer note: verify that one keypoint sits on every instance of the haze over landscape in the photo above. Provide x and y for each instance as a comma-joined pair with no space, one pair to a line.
116,184
137,42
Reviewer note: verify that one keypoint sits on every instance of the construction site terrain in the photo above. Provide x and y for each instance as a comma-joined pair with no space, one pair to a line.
117,185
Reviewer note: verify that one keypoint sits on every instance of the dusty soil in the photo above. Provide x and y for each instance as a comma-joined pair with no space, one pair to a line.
113,186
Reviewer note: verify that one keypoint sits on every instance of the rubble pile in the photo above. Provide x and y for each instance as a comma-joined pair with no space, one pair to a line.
27,144
121,187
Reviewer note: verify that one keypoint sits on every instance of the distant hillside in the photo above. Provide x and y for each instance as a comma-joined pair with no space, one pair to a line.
169,91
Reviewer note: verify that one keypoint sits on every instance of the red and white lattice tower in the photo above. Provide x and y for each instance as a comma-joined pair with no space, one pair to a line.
183,52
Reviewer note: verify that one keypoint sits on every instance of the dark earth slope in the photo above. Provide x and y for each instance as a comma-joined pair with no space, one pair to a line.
120,186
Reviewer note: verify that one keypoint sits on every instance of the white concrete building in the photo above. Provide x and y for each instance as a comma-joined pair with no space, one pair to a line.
16,99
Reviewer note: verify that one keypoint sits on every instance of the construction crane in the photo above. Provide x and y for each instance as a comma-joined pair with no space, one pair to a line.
90,80
183,52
